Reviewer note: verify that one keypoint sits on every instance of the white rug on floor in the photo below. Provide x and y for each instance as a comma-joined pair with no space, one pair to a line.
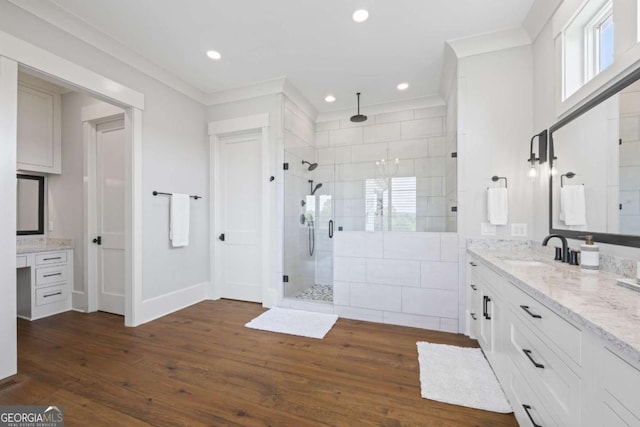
460,376
294,322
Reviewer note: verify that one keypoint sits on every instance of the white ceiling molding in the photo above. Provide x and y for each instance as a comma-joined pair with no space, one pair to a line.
388,107
490,42
78,28
268,87
540,13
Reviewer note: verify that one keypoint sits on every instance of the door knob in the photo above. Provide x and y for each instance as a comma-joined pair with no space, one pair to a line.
98,240
221,237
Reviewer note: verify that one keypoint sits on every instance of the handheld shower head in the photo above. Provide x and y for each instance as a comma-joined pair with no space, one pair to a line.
311,167
316,188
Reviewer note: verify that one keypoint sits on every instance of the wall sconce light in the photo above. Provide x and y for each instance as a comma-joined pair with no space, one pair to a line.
542,152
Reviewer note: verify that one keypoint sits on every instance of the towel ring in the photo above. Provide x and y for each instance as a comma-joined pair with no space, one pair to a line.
568,175
496,178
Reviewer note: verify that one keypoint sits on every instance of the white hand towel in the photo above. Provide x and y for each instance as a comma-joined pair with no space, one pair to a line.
498,206
573,209
179,220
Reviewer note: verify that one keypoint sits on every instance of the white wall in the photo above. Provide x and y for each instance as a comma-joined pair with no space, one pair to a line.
174,158
8,120
494,129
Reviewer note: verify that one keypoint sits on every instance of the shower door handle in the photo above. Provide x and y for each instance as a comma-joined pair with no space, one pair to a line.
331,229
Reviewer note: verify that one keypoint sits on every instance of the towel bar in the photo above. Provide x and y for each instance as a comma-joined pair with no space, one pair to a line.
495,178
155,193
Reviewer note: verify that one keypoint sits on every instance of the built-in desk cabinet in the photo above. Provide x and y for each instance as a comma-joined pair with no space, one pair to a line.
45,282
554,372
39,128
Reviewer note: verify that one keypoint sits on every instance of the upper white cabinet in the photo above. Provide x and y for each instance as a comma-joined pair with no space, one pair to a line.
39,129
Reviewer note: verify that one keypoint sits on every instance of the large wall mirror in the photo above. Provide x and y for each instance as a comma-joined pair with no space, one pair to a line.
30,205
595,181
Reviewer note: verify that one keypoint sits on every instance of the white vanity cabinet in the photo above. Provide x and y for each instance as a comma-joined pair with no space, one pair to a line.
39,129
554,370
45,282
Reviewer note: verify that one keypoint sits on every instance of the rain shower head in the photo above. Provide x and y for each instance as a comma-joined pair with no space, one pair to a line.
316,188
312,166
358,117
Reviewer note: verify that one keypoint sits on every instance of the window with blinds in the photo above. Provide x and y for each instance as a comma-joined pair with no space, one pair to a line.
390,204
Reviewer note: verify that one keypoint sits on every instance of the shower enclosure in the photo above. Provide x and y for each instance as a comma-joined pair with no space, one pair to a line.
308,228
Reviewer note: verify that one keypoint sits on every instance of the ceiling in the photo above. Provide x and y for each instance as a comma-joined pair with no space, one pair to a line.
313,43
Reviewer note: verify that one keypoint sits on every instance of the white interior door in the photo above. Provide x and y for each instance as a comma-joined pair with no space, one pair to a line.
240,220
110,143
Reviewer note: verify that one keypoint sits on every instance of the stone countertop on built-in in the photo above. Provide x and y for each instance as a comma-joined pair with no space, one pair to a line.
30,244
592,300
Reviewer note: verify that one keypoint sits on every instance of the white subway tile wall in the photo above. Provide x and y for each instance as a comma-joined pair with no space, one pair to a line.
401,278
422,142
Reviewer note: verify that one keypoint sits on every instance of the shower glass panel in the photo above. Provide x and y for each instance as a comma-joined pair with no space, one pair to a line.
308,208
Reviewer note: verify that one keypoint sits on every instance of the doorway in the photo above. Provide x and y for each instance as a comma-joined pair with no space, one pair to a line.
239,223
109,209
239,230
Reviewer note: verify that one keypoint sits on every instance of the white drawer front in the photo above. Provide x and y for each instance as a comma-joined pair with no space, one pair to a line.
522,396
21,261
563,334
51,294
50,275
546,370
51,258
621,380
489,277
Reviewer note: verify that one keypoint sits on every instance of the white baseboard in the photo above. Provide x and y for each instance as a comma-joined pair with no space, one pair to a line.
79,301
162,305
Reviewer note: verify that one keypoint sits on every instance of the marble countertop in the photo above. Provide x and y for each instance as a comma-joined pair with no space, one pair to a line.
26,245
592,300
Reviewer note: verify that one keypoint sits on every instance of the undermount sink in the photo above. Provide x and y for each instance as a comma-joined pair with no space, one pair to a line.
524,263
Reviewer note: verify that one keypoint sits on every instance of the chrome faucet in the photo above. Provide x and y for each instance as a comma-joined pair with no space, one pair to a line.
565,247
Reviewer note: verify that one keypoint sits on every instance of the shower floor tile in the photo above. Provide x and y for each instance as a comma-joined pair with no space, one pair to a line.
322,293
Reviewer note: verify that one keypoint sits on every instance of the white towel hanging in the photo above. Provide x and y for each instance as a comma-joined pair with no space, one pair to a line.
179,220
498,206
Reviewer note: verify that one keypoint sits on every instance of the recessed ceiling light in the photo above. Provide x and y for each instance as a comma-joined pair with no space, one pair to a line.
214,54
403,86
360,15
330,98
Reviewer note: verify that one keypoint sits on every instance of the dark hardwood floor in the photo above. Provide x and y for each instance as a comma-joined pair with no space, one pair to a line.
201,366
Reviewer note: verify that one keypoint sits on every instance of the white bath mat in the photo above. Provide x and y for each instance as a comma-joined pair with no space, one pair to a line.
294,322
460,376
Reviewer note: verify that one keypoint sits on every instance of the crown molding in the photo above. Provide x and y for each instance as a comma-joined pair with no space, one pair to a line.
490,42
387,107
78,28
255,90
540,13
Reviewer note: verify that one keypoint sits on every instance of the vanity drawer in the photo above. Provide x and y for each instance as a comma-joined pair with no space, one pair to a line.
484,274
621,382
546,371
21,261
49,275
51,258
563,334
521,395
51,294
